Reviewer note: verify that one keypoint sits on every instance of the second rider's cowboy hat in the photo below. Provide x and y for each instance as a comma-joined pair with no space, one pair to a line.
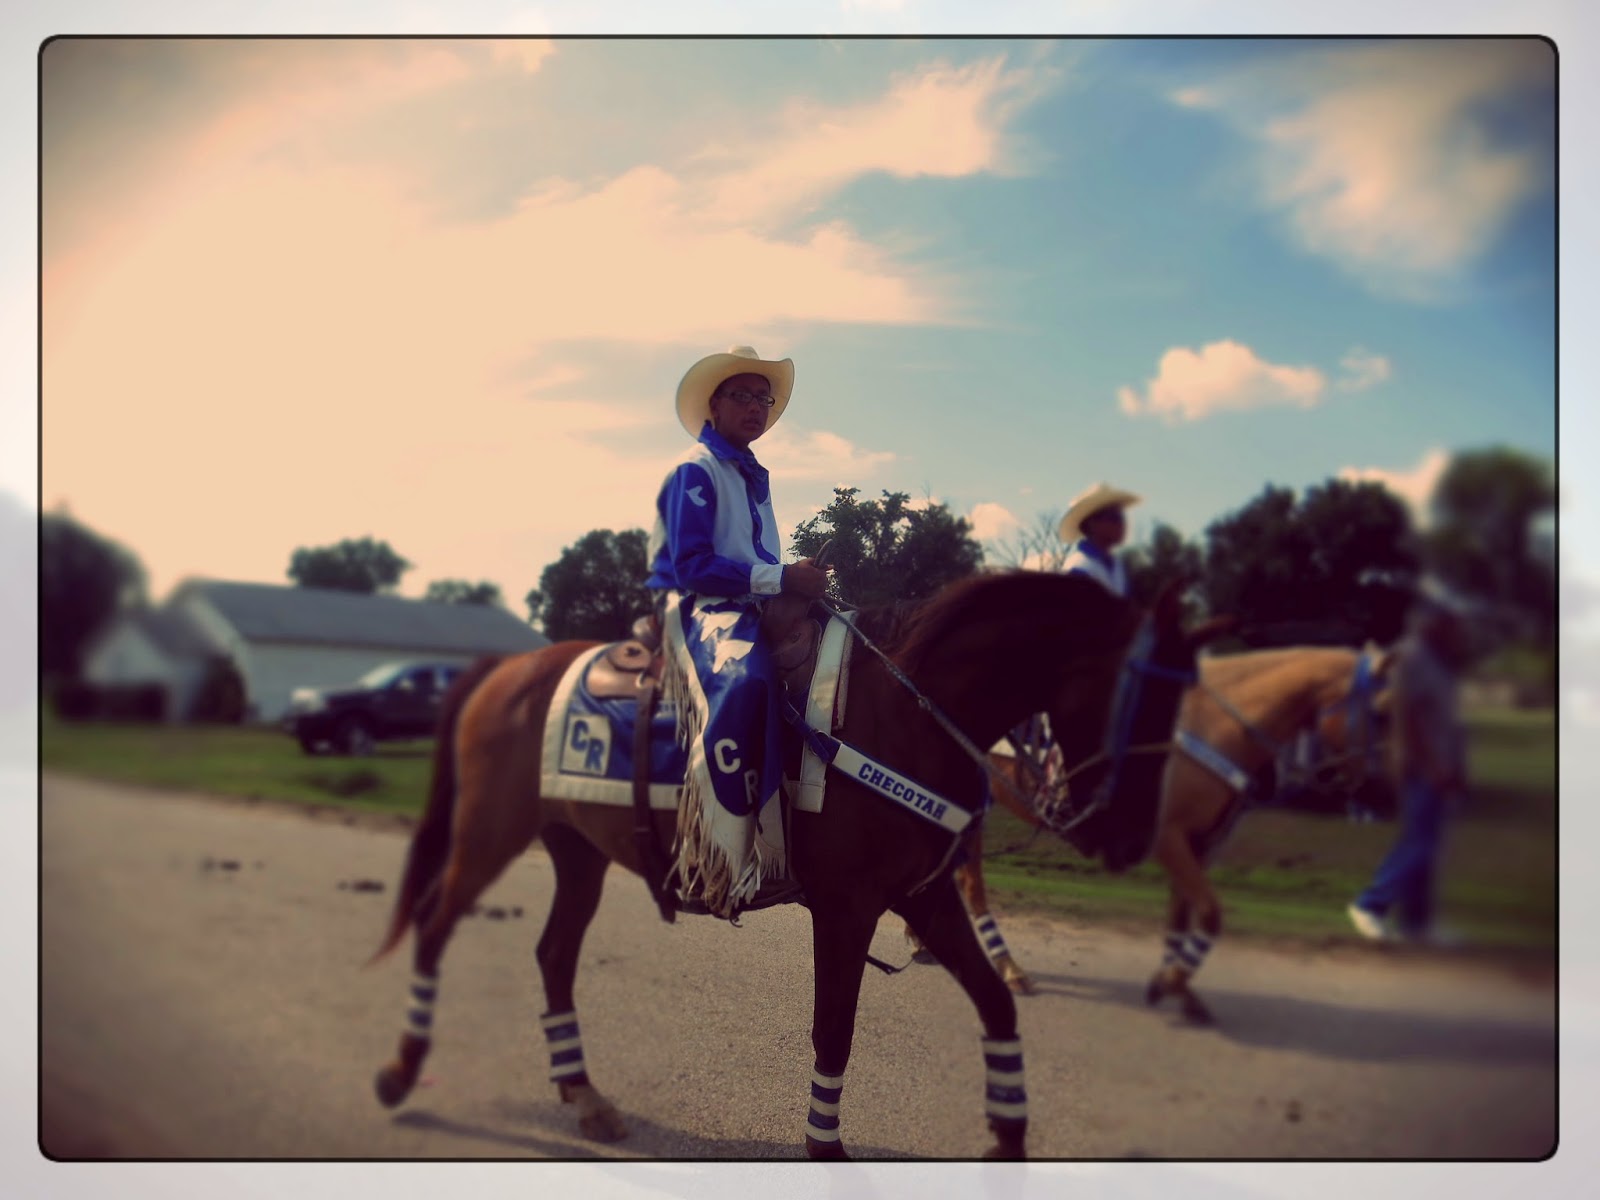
1085,504
694,393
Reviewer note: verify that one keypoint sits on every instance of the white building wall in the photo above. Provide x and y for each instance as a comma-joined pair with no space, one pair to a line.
277,668
125,655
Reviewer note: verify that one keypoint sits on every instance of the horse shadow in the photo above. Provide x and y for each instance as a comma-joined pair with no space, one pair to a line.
1332,1030
646,1139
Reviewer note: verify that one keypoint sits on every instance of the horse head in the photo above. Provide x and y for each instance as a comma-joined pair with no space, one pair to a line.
1111,805
1353,723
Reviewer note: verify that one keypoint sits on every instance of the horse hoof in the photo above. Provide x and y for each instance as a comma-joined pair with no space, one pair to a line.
603,1126
825,1151
1196,1013
1021,984
1005,1152
391,1086
1154,992
926,957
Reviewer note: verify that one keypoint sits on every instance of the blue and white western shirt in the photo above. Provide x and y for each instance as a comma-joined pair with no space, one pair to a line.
715,534
1099,565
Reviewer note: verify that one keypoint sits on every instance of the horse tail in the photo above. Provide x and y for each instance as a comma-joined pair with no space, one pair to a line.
430,843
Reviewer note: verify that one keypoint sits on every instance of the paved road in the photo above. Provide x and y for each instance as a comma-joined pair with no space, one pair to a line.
193,1011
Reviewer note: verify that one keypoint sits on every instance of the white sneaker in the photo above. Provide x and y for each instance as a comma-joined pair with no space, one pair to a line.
1368,924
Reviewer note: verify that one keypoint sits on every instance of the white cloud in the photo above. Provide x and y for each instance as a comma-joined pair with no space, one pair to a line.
1219,377
1414,485
1362,370
939,120
1385,159
793,453
527,53
1194,97
239,239
991,520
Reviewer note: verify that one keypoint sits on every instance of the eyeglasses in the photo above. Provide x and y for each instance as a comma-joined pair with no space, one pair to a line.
745,398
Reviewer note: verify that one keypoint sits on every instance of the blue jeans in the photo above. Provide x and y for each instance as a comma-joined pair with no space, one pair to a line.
1405,878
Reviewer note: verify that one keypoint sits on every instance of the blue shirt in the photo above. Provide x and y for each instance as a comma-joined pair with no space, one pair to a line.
715,534
1086,558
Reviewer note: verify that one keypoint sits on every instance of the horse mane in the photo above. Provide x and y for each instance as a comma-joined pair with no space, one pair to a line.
909,630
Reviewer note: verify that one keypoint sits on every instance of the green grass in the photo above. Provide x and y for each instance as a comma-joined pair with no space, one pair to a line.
261,763
1286,873
1282,874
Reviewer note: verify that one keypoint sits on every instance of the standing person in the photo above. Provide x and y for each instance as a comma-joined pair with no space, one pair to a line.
714,561
1097,525
1430,766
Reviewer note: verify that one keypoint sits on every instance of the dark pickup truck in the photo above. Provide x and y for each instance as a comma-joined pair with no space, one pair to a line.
389,703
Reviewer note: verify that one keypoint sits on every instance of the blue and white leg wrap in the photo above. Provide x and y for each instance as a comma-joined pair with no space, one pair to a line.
989,935
1172,948
419,1016
822,1125
566,1046
1005,1099
1193,954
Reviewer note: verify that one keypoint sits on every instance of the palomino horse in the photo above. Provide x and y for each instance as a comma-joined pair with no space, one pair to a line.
986,651
1233,726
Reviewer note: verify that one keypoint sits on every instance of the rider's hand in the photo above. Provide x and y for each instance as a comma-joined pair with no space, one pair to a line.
805,578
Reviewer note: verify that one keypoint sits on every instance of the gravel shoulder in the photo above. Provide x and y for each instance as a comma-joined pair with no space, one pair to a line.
196,1009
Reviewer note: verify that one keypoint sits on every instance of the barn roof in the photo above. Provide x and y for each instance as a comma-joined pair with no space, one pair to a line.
170,632
263,612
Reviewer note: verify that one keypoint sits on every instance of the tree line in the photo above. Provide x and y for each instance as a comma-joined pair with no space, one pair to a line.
1334,563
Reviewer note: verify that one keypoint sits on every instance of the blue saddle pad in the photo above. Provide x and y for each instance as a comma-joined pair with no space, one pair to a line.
597,741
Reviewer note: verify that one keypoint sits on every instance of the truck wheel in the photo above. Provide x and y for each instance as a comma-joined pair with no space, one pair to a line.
354,737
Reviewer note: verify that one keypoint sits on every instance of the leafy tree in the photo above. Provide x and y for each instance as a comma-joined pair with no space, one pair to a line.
349,566
84,580
1483,540
1164,557
459,591
886,550
1298,570
595,590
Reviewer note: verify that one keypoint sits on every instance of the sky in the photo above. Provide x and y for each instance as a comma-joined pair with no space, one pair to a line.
441,292
444,294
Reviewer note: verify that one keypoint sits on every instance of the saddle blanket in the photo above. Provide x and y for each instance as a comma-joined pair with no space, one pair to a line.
588,745
588,742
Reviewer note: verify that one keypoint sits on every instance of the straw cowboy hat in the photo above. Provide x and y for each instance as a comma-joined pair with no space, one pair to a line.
1086,504
694,393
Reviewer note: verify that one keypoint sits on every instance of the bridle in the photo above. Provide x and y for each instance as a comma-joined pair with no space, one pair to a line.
1057,812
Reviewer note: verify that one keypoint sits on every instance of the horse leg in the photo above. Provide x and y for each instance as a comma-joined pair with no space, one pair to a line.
464,879
969,879
1172,943
580,873
1181,858
841,936
935,913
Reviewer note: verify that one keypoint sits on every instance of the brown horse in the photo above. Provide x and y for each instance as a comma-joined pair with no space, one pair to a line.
986,652
1244,714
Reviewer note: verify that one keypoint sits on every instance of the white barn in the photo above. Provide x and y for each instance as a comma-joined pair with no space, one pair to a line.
281,638
151,646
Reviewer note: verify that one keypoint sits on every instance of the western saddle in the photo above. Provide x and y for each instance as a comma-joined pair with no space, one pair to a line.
632,669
